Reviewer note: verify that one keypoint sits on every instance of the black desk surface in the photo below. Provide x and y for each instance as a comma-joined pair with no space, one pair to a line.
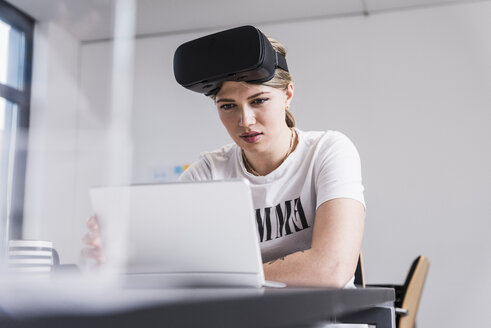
183,307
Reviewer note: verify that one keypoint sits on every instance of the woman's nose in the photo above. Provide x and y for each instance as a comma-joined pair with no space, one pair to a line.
247,117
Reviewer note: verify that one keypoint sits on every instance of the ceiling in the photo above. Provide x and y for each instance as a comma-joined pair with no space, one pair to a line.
93,20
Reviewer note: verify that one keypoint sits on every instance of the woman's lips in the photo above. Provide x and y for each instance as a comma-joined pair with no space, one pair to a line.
251,137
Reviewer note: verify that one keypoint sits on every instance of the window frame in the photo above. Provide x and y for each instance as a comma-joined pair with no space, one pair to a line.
22,98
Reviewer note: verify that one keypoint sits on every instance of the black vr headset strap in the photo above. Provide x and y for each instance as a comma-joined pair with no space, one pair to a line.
281,61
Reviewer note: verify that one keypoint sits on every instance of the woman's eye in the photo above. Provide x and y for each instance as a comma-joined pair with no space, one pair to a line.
227,106
259,101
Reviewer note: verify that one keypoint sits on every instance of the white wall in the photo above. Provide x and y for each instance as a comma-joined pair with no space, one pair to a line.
411,89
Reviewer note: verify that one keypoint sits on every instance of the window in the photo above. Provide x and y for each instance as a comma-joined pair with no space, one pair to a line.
16,41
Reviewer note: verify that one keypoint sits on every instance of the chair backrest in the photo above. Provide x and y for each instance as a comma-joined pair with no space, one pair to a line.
413,289
360,273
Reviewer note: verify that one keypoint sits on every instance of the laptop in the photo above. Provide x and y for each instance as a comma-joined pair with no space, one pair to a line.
186,234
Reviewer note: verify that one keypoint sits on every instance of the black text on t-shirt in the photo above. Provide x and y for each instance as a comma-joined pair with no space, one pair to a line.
284,221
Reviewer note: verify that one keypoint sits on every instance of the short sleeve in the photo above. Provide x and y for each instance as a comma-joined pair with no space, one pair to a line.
198,171
338,170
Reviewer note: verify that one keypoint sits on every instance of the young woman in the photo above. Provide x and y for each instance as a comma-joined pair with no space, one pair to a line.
306,186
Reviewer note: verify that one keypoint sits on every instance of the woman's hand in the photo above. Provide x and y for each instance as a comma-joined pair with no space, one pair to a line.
93,241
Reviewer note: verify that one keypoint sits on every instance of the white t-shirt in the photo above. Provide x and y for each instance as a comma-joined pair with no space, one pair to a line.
323,166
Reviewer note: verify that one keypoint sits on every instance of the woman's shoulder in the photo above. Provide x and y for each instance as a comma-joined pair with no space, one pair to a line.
328,144
210,163
324,137
223,153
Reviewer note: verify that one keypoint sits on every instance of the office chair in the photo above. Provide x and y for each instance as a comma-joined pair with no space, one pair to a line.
359,273
408,295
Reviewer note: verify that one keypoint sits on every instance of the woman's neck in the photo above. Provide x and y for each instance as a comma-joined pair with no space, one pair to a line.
266,162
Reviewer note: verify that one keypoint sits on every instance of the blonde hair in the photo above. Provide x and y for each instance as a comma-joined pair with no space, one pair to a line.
280,80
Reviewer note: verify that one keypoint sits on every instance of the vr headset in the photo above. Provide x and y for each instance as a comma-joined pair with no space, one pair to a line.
238,54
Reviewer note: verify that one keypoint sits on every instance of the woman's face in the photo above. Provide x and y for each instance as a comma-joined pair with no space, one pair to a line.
254,114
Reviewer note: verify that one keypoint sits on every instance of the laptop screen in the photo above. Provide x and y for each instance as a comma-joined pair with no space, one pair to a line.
181,229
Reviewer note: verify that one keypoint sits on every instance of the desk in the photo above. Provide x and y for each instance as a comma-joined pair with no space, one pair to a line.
251,308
